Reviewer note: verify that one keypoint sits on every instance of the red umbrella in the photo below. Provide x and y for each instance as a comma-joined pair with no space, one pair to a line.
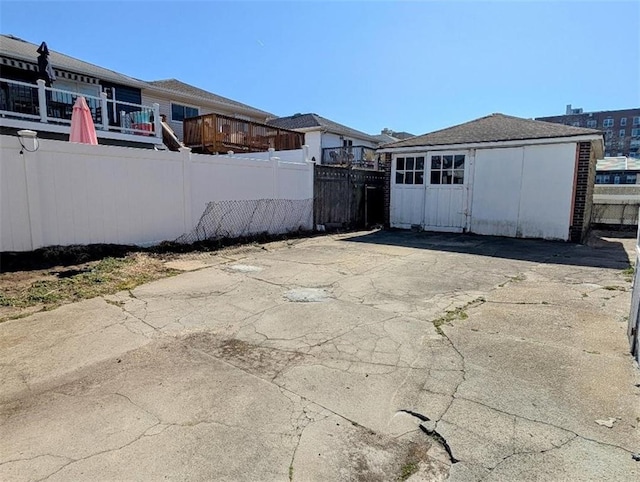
82,128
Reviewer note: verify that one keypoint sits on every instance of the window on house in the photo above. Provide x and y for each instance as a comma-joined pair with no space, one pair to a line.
347,143
623,122
576,124
410,170
635,132
181,112
447,169
636,121
607,123
592,123
622,133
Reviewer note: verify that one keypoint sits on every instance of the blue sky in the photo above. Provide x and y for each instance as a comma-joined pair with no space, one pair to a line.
412,66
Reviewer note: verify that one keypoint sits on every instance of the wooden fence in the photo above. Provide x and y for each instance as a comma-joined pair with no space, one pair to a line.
347,197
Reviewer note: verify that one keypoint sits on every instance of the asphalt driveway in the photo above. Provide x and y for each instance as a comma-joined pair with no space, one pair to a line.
370,356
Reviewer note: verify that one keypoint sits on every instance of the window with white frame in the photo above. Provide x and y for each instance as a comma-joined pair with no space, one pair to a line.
636,121
447,169
623,122
635,132
181,112
622,133
410,170
607,123
576,124
592,123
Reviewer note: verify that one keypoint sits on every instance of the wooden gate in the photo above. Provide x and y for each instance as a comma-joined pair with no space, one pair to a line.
347,197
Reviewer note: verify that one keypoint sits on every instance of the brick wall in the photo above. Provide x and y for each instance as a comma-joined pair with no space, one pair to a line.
583,196
387,190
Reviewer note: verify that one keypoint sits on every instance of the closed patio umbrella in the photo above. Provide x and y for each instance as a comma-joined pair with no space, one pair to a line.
45,70
82,128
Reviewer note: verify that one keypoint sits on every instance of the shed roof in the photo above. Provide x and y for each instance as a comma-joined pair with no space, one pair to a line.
303,121
494,128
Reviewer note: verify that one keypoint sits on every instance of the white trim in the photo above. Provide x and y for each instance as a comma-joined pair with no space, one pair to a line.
65,129
493,145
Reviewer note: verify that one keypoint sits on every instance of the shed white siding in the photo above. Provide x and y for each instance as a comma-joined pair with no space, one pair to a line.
524,191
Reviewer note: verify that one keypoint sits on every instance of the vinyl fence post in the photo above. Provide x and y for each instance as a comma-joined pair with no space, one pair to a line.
186,187
157,120
274,164
31,161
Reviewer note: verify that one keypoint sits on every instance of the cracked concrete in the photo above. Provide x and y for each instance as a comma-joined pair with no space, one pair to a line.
217,374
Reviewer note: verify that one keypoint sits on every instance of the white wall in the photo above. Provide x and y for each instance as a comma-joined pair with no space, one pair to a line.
330,139
66,193
314,141
524,192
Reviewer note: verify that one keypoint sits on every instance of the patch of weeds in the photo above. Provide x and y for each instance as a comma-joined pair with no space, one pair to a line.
290,473
515,279
614,288
457,314
628,273
408,470
107,276
585,295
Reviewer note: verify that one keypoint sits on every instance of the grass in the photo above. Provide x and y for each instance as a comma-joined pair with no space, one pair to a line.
107,276
457,314
614,288
408,470
628,273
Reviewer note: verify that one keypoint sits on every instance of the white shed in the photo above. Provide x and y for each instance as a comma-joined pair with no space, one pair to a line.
497,175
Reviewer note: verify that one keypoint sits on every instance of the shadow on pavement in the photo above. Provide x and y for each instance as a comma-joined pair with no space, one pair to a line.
602,253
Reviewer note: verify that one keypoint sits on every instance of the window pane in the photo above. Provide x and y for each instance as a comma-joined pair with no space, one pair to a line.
400,164
399,177
458,162
190,112
419,163
447,177
419,179
435,177
458,177
410,164
447,162
177,112
436,163
408,178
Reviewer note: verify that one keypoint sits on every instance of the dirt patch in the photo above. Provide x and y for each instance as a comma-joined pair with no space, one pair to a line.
26,292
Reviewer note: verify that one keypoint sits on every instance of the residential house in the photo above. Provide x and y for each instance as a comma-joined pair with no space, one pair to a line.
142,103
331,143
497,175
621,127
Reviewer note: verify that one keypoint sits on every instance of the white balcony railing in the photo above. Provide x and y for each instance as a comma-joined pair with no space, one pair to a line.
53,108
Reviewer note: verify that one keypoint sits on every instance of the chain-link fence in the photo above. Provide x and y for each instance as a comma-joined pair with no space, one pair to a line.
239,219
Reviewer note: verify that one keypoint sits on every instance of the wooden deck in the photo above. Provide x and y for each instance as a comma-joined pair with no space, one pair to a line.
215,133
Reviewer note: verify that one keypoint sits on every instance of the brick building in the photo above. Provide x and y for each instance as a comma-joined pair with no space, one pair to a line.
621,128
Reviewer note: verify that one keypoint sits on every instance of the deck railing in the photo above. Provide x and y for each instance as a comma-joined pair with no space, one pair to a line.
358,156
212,133
48,105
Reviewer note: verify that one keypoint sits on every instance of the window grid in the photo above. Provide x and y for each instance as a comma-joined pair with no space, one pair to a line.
607,123
447,169
410,170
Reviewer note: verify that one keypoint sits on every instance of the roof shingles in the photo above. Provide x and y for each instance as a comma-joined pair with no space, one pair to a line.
304,121
494,128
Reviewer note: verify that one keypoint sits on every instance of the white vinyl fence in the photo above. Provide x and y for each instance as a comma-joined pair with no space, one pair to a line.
64,193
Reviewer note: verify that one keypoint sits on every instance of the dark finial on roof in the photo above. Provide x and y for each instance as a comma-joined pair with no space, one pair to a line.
43,49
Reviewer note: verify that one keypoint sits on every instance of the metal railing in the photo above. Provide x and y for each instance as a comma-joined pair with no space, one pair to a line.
357,156
213,133
48,105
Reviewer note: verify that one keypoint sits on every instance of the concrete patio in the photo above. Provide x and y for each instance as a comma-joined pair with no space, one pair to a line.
370,356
